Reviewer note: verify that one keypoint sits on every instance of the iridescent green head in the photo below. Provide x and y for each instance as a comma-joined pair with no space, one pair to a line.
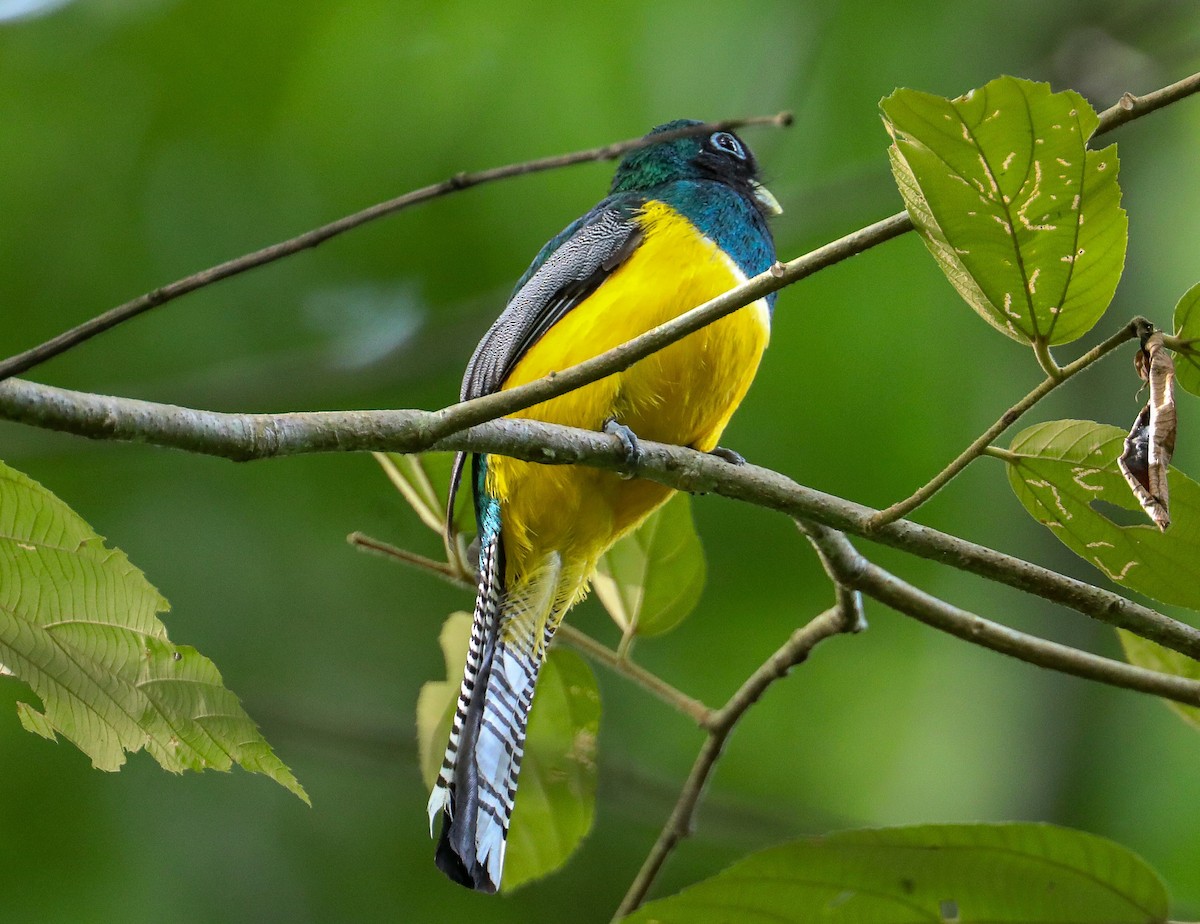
720,156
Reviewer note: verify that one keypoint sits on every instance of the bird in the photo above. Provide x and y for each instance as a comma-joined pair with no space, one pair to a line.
684,221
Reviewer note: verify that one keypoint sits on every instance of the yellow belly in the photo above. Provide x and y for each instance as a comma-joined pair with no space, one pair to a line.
684,394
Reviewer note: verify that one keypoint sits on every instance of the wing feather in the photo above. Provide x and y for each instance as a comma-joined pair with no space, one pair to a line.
587,253
566,271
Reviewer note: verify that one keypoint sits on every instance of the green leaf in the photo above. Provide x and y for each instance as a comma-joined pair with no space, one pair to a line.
1025,222
78,624
1145,653
1063,470
1187,327
435,702
556,794
424,481
999,874
652,579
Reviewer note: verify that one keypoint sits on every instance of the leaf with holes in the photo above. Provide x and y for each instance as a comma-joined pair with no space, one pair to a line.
1024,220
652,579
1065,474
78,624
999,874
556,793
1187,328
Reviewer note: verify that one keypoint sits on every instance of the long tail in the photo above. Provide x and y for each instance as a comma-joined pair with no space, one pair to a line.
478,781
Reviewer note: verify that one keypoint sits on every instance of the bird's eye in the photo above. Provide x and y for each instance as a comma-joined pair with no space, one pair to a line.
726,143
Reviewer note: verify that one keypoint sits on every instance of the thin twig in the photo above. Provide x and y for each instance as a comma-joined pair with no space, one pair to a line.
457,417
596,651
22,362
441,569
854,570
269,434
796,649
1128,108
903,508
1131,107
259,436
491,407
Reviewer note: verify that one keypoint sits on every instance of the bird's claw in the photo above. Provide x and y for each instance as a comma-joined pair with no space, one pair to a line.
630,446
729,455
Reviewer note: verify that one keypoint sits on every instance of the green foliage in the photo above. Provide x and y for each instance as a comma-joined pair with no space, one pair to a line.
1147,654
78,624
1187,328
557,797
1060,470
1025,222
998,874
652,579
133,154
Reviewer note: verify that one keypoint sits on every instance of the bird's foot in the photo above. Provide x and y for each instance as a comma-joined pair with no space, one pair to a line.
729,455
630,446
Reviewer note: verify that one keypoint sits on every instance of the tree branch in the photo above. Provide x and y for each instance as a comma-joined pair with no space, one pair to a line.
854,570
499,404
1131,107
22,362
244,437
491,407
903,508
1127,109
834,621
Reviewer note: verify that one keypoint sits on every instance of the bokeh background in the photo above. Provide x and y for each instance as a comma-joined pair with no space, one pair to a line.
141,140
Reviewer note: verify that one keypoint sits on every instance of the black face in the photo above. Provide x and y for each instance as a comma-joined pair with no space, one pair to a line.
720,155
724,156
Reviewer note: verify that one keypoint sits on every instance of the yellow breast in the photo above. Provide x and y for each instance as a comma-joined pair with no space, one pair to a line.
684,394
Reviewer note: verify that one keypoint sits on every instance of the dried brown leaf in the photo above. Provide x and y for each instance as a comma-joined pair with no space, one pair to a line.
1147,452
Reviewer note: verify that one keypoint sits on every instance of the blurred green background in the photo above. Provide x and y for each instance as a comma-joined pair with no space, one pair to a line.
141,140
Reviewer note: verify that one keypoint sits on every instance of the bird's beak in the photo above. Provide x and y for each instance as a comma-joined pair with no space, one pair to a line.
769,203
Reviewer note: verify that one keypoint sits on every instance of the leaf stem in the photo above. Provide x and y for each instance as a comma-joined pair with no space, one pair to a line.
980,445
1041,349
1004,455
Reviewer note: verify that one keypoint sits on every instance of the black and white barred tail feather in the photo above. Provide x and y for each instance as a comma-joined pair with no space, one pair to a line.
477,783
456,793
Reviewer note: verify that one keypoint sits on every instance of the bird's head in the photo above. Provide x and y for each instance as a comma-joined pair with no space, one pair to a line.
720,155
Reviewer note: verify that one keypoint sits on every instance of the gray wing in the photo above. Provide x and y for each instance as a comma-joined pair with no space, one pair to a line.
579,260
566,271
